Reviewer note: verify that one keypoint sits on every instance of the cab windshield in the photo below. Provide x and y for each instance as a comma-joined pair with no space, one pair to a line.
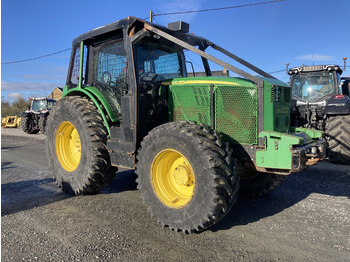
39,105
313,86
159,62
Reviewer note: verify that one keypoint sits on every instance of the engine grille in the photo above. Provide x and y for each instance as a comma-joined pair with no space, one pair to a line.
235,110
236,113
191,104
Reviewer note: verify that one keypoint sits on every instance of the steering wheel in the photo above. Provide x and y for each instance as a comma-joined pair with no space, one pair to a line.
148,76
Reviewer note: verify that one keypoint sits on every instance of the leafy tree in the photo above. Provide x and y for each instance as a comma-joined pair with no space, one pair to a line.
16,108
5,108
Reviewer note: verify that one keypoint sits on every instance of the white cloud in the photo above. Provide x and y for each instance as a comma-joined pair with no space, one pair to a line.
27,86
15,96
10,90
315,57
168,6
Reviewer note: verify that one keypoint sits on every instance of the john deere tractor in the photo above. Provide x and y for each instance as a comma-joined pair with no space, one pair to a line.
320,100
129,103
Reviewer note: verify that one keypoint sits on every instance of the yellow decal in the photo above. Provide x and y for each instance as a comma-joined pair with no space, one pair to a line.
184,82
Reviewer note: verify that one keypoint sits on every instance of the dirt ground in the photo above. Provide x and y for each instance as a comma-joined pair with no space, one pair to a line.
306,219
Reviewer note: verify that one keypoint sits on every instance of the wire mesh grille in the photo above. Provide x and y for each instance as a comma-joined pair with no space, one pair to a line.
74,81
164,63
236,113
167,64
110,73
111,58
235,110
191,103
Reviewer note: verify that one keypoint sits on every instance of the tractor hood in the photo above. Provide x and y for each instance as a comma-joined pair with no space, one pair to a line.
210,80
273,81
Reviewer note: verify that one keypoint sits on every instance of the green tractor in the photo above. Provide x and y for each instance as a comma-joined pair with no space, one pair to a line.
194,142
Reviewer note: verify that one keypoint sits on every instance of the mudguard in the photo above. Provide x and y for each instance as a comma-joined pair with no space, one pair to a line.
97,98
338,105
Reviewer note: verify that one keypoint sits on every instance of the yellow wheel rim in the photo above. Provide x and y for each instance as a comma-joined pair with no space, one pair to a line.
68,147
173,179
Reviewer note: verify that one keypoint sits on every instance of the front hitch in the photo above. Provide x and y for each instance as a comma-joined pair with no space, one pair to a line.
308,155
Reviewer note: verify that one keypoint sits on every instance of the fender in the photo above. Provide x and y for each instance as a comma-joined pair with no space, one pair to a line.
97,98
338,105
43,114
26,113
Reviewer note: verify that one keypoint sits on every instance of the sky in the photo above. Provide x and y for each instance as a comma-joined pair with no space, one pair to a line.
297,32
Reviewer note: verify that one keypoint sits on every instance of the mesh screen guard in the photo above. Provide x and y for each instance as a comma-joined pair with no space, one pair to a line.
235,109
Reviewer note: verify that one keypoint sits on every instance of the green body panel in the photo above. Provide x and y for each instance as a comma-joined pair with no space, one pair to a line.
98,98
234,105
210,80
104,102
230,106
313,133
276,105
278,152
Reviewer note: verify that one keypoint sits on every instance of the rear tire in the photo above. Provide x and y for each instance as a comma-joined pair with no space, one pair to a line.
338,138
42,124
76,147
259,183
184,176
27,125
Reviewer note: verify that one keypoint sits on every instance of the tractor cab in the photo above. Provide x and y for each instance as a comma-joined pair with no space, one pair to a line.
320,100
41,105
315,83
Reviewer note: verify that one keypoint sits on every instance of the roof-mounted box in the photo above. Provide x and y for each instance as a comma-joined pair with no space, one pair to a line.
179,26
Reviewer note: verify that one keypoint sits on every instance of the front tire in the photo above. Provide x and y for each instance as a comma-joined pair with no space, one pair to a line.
338,138
253,183
76,147
184,176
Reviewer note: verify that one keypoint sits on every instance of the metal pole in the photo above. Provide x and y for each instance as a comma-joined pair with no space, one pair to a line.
81,64
151,16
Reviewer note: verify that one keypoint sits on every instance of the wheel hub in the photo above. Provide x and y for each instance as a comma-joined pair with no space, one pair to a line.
68,146
173,179
182,175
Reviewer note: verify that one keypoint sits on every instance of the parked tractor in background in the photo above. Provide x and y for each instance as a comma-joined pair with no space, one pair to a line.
129,103
34,119
320,100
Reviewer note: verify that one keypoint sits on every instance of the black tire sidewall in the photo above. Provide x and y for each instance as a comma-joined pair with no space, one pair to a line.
66,111
42,124
204,194
25,124
260,183
337,130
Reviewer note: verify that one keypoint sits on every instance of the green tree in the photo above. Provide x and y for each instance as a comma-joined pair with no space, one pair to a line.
19,106
5,108
14,109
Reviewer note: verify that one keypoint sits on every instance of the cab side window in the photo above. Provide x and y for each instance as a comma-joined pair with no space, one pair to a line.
110,72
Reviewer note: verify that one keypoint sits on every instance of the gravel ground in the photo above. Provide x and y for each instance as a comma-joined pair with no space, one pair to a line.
306,219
